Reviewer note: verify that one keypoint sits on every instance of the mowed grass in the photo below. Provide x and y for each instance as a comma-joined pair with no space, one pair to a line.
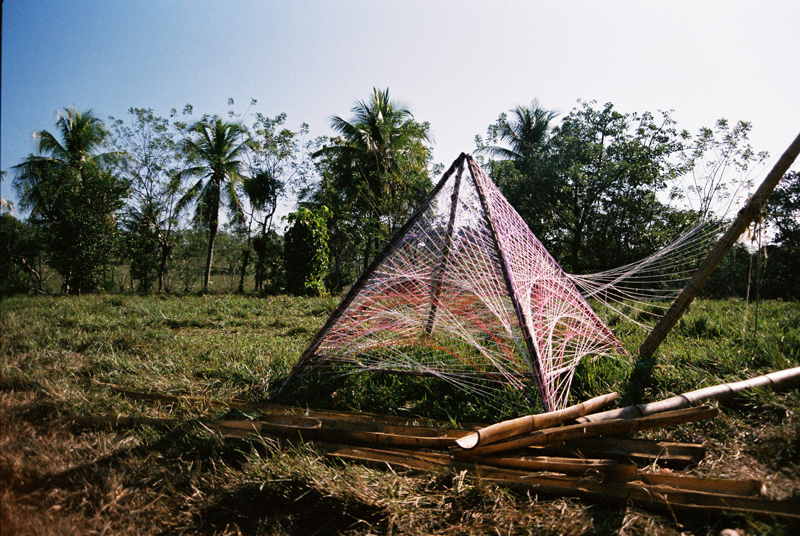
59,356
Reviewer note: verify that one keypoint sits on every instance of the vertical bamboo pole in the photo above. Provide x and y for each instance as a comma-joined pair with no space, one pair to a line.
750,211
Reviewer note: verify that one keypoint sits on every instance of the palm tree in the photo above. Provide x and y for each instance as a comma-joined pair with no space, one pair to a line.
39,177
71,193
527,136
379,162
215,156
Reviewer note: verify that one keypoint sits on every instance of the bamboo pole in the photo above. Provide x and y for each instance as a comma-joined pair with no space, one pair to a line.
529,423
305,428
575,431
640,451
505,269
687,494
721,393
750,211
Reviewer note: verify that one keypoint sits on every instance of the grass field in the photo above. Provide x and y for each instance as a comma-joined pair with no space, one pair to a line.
58,356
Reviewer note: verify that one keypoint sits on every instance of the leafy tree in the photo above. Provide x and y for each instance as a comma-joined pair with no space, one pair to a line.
373,175
717,164
150,144
589,189
214,149
782,213
73,197
275,162
306,252
21,247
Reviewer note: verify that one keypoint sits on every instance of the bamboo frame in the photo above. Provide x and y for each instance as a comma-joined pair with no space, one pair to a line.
746,215
361,281
439,274
533,357
721,393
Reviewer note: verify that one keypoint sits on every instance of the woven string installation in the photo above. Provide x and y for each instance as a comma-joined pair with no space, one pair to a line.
467,293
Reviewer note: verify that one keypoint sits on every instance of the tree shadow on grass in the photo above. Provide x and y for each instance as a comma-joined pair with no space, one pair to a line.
291,506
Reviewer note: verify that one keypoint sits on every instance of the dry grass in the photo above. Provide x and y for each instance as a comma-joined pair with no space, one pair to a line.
57,356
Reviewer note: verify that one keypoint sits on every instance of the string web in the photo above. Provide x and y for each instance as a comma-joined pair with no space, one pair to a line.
643,290
465,292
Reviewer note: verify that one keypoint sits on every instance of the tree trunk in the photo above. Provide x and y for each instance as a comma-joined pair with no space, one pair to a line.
245,259
212,235
166,250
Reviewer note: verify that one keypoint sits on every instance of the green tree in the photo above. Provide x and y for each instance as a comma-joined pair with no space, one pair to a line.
375,173
73,197
150,144
214,149
306,251
782,216
718,163
275,162
606,170
519,168
589,189
21,246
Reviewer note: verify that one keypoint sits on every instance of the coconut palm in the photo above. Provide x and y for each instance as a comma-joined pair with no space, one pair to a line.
378,165
379,143
72,195
215,153
527,136
40,177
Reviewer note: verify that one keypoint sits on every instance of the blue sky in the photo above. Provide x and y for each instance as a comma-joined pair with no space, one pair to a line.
457,64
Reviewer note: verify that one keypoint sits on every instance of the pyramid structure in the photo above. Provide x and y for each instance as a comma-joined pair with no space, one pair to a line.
465,291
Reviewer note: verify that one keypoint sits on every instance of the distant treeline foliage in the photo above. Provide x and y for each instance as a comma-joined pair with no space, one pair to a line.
178,204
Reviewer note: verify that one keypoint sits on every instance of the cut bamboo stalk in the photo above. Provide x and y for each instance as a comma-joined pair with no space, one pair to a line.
431,460
743,488
378,422
746,215
611,469
575,431
288,427
639,451
638,492
529,423
721,393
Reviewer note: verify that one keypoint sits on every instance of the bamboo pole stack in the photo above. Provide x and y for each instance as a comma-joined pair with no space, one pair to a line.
568,452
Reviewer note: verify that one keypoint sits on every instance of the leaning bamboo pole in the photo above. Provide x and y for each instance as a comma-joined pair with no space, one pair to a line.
529,423
750,211
721,393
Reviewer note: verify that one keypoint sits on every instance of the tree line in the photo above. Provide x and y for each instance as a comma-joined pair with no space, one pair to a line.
178,200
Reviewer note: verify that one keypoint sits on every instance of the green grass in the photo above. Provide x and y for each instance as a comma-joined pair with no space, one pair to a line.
58,355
